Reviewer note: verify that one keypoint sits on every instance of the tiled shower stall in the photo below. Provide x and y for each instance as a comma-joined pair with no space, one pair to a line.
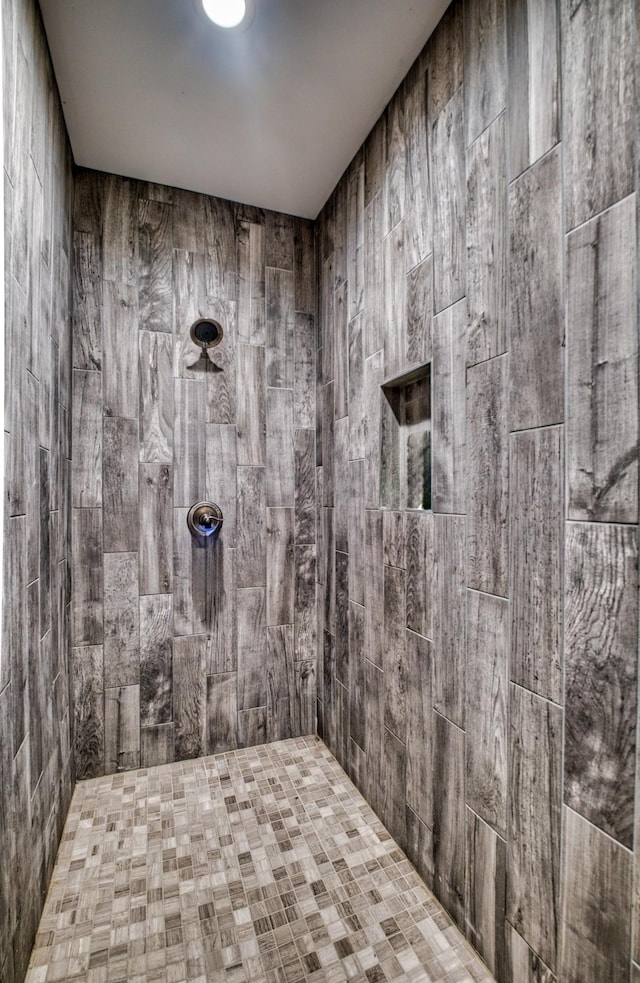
422,428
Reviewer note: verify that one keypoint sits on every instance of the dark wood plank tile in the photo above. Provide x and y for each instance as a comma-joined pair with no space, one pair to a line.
602,350
189,696
121,620
485,68
87,577
120,350
87,439
597,42
251,284
280,567
533,833
417,211
155,297
88,706
420,567
449,410
156,528
279,470
449,617
536,510
448,177
534,65
601,627
486,707
222,713
120,485
87,301
121,728
536,395
596,904
251,405
419,331
487,244
252,646
189,434
485,893
488,477
157,745
156,659
448,816
419,792
281,320
156,398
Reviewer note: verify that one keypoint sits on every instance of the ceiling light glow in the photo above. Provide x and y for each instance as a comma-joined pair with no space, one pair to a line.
225,13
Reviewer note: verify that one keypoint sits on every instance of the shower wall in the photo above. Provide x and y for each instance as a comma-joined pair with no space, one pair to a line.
36,772
478,663
178,650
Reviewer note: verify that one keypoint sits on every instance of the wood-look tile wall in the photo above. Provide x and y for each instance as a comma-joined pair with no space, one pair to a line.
477,665
36,771
181,651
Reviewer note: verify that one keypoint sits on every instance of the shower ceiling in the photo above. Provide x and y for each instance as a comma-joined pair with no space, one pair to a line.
270,116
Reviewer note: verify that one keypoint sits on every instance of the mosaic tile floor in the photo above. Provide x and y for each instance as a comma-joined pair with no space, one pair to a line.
258,865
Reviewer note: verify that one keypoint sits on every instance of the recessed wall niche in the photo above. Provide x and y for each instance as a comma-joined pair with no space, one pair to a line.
405,472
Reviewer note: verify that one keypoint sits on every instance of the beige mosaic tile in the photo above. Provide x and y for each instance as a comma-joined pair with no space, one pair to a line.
264,864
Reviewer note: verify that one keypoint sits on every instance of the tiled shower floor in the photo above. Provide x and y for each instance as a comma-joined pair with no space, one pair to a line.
262,864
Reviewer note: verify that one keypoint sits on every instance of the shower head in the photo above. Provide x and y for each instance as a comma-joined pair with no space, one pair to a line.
206,333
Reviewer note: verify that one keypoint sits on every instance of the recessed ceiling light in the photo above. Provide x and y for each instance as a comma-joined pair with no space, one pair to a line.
225,13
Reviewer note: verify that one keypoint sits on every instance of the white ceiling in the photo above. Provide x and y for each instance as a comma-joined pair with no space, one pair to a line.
270,116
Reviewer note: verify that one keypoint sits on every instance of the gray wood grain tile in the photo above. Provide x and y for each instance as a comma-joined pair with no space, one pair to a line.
597,42
189,696
533,833
157,745
154,272
280,567
601,626
121,620
120,514
251,528
86,576
252,648
448,177
487,244
87,302
121,728
155,528
87,439
419,791
88,706
156,398
487,707
420,566
536,394
485,69
485,892
449,617
251,284
596,937
602,381
279,469
120,350
420,313
534,82
449,816
488,477
449,412
222,712
536,509
156,659
251,405
281,321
